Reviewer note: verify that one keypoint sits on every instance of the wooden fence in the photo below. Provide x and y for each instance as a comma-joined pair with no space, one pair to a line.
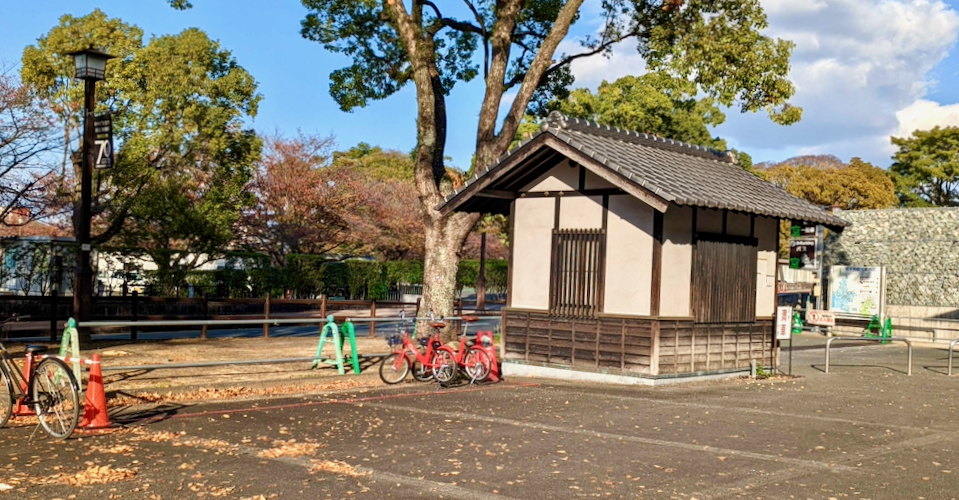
53,308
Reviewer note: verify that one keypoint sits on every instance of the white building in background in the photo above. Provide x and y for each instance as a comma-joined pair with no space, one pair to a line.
38,265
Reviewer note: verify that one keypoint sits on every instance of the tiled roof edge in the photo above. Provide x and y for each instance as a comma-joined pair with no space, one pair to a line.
561,121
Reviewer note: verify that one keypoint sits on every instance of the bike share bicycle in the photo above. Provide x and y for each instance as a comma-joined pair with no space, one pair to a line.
46,384
406,356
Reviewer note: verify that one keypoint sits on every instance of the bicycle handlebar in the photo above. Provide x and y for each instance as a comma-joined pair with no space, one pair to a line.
14,318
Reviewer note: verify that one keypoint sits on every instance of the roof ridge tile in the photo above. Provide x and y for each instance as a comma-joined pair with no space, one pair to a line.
564,122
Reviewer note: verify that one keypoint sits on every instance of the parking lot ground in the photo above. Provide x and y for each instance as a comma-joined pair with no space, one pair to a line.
864,431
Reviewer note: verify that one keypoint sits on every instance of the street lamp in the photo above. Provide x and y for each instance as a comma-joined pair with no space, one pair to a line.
90,66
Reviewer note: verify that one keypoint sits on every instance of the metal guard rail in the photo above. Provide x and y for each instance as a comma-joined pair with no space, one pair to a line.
259,321
951,346
879,339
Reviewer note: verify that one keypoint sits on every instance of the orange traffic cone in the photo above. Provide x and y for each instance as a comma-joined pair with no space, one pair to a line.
22,410
95,408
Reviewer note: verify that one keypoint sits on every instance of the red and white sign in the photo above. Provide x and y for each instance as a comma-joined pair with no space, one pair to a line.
784,318
821,318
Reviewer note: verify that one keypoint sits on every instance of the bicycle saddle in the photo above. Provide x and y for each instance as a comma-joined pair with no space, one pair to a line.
36,348
470,319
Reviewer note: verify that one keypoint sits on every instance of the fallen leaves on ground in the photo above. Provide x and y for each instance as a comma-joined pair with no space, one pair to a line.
205,393
97,474
336,467
289,449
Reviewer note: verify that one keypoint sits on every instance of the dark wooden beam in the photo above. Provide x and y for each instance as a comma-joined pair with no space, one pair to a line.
649,197
496,193
657,271
564,194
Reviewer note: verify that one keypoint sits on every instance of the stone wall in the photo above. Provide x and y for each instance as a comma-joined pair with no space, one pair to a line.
918,246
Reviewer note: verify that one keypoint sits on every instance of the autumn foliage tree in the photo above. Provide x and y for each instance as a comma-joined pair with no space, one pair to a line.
826,181
302,204
27,139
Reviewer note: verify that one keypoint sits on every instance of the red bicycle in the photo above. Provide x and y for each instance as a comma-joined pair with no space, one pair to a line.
423,361
472,358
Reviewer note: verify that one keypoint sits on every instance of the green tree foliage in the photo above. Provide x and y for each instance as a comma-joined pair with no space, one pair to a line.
827,181
376,162
653,103
926,167
179,103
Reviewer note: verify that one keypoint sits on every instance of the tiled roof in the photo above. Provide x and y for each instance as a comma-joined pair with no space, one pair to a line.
676,171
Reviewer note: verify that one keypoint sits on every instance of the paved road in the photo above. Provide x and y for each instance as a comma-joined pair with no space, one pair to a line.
864,431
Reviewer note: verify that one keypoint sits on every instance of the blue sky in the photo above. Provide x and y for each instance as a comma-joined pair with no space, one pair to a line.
864,69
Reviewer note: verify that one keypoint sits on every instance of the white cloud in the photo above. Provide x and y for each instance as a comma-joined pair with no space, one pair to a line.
860,68
591,71
924,115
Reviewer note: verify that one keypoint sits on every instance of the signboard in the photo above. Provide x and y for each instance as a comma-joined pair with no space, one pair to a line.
821,318
802,230
803,254
857,290
784,318
103,149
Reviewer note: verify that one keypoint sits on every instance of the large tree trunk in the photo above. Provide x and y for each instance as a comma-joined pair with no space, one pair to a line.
444,239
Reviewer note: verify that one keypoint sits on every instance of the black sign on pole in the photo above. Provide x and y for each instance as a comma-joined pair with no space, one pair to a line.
802,254
802,230
103,145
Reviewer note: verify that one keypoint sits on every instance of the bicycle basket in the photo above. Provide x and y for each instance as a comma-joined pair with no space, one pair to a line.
394,340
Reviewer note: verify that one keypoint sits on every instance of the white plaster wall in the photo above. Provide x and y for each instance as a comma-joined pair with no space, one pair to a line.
629,256
709,220
767,232
677,268
532,237
581,212
562,177
737,224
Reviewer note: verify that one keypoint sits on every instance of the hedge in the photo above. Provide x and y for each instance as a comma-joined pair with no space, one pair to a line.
307,276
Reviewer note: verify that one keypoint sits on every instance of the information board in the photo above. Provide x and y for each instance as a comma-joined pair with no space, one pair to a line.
803,255
857,290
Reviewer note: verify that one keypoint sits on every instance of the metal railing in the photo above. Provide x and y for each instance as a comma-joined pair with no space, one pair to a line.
951,346
893,339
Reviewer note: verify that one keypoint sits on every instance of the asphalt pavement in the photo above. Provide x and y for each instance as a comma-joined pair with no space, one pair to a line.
865,430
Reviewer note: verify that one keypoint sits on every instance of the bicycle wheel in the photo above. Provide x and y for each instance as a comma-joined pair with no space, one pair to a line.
422,372
6,397
478,364
56,398
444,366
393,368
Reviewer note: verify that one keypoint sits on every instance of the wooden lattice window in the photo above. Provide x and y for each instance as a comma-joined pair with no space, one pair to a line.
577,272
724,279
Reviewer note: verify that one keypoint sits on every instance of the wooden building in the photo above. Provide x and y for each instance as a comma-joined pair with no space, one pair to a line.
634,255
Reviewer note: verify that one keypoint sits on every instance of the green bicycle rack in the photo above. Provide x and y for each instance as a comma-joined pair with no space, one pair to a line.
330,328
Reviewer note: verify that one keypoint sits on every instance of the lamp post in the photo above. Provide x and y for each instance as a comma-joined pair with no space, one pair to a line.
90,66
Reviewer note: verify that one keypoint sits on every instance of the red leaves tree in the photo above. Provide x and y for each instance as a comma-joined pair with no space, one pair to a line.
302,203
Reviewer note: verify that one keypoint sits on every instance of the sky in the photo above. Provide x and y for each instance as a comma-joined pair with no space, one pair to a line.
864,70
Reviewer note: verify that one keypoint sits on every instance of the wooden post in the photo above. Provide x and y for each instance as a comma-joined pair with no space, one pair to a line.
266,315
373,315
323,305
133,312
418,300
205,311
481,279
53,315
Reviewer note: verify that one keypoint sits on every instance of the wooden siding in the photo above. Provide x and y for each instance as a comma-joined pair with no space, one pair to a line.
624,344
724,282
687,347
